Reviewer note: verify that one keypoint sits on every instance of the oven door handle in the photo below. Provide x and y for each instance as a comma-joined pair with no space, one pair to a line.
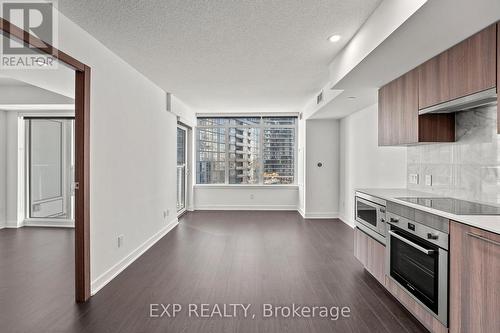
416,246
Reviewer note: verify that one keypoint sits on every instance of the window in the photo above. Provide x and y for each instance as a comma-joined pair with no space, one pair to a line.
50,168
246,150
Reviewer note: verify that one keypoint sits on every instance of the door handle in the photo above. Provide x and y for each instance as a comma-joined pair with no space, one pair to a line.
416,246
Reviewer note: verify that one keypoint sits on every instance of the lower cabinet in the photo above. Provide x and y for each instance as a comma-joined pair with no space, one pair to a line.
370,253
474,280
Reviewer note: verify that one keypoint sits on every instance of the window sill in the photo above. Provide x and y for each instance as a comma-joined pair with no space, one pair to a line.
243,186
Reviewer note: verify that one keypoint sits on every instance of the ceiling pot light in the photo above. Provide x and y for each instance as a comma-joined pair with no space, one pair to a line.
334,38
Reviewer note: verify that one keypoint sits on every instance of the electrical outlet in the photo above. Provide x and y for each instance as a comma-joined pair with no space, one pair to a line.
120,241
428,180
413,178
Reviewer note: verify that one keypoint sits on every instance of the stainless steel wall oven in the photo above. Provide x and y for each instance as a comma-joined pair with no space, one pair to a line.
417,259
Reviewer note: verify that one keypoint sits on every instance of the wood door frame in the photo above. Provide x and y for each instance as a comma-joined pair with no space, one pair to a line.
82,153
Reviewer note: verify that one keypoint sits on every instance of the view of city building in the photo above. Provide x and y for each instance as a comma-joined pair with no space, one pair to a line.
257,150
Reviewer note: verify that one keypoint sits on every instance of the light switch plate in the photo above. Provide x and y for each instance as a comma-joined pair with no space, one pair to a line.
428,180
413,178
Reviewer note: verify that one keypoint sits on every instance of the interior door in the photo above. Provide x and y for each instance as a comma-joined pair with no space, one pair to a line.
181,169
50,161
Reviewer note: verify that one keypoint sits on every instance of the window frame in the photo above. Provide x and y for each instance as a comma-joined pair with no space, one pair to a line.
261,126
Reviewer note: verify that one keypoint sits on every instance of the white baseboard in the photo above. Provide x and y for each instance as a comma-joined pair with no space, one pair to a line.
12,225
246,207
320,215
111,273
301,212
346,221
49,224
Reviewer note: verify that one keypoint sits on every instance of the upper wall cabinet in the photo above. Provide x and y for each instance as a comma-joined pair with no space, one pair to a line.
467,68
398,110
464,69
398,119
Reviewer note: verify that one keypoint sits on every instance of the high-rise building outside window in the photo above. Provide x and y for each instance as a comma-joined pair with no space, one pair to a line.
246,150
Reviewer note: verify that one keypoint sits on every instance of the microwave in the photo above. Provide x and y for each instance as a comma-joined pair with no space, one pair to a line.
370,214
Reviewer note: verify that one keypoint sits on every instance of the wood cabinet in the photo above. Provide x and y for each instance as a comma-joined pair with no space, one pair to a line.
433,81
398,119
474,280
464,69
370,253
398,110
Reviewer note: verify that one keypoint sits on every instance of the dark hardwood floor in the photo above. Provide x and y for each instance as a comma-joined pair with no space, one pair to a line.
211,257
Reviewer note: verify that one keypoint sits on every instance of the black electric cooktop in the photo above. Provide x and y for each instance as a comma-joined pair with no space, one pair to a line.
454,206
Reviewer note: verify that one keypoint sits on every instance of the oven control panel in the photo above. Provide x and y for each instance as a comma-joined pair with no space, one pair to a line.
425,232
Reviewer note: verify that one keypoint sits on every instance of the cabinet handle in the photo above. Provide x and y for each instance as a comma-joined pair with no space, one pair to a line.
483,239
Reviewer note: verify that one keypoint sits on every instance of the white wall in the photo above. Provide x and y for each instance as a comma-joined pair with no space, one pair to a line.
245,197
3,168
322,183
132,152
363,163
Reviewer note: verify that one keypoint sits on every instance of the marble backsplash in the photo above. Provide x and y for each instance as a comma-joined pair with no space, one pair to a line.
468,168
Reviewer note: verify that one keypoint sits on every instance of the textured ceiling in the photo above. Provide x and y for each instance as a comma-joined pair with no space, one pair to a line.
226,56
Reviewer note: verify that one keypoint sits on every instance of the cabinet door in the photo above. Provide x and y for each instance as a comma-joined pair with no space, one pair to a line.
387,115
472,64
398,111
474,280
432,83
370,253
464,69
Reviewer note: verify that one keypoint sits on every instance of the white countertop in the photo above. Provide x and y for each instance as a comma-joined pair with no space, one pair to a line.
485,222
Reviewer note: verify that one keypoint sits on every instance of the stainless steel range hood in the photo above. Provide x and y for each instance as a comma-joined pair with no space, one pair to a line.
481,98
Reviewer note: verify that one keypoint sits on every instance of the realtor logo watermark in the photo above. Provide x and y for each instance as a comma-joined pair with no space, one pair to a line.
248,311
39,18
